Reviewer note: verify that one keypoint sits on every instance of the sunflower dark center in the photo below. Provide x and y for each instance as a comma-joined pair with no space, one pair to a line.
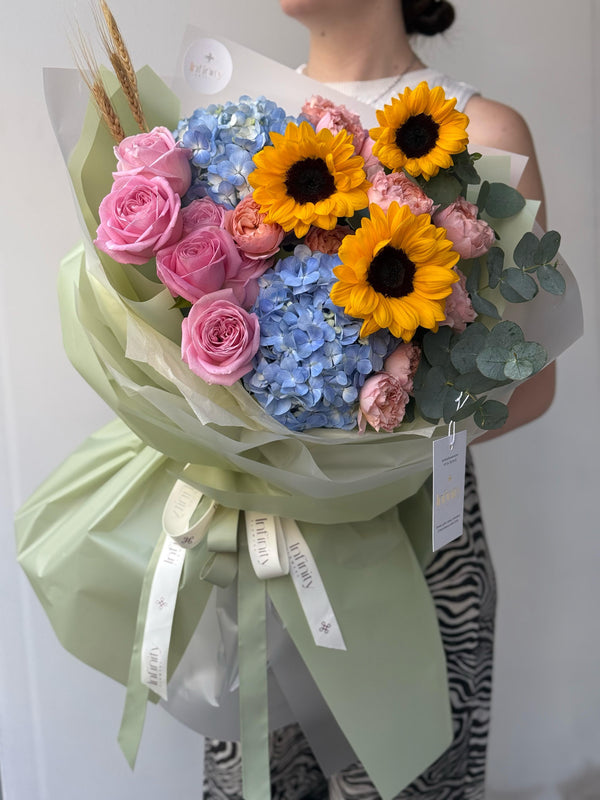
309,181
417,136
391,272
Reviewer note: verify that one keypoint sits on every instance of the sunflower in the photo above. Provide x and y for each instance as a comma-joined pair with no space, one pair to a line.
420,132
309,178
396,272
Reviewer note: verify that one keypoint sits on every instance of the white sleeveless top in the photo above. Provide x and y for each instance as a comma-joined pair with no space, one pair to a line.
379,90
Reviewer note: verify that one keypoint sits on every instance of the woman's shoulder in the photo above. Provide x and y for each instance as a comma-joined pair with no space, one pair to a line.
497,125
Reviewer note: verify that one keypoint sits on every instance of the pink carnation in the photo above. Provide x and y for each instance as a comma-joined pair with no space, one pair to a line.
382,403
139,217
155,154
256,238
325,114
471,237
200,213
327,241
219,339
459,310
403,363
397,187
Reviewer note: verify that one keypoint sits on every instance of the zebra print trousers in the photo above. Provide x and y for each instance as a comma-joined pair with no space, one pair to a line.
462,584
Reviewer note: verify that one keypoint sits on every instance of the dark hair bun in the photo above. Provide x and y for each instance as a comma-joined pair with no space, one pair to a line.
427,17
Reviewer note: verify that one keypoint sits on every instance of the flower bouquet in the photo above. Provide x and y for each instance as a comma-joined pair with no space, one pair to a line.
284,312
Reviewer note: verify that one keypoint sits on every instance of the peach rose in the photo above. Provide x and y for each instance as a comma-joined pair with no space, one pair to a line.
397,187
327,241
459,310
256,238
403,363
382,403
470,236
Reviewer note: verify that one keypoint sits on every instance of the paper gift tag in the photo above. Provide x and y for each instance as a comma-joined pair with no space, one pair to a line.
449,456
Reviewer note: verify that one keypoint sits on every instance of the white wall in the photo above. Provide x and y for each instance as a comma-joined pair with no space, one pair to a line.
538,489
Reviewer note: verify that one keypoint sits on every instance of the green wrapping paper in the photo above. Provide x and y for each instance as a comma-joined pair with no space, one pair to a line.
86,538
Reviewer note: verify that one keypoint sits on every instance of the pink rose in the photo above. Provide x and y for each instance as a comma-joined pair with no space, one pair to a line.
397,187
219,339
200,213
198,264
155,154
382,402
327,241
205,261
138,218
403,363
255,237
458,309
470,236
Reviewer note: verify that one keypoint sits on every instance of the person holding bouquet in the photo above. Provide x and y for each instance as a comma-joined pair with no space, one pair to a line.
365,50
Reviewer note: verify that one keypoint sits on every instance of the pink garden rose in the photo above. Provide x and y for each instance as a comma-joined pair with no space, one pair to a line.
470,236
397,187
255,237
327,241
206,261
402,363
382,403
139,217
155,154
219,339
459,310
200,213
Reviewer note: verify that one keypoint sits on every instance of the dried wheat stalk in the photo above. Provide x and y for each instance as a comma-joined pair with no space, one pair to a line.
120,59
90,72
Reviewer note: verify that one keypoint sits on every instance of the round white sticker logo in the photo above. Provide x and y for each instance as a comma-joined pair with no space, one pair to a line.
207,66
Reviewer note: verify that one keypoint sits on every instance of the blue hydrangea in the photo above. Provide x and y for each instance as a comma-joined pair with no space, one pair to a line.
223,139
312,361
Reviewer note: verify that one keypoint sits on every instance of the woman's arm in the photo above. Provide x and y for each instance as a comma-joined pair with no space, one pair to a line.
496,125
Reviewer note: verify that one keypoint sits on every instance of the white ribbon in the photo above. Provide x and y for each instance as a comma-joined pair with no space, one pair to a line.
266,543
179,536
278,548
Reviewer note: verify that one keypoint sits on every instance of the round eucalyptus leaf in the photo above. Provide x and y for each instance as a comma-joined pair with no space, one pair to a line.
473,276
443,189
491,415
505,334
430,397
522,283
551,280
474,383
503,201
451,401
483,306
436,346
518,369
482,197
495,265
471,342
508,293
526,251
491,362
548,247
533,352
